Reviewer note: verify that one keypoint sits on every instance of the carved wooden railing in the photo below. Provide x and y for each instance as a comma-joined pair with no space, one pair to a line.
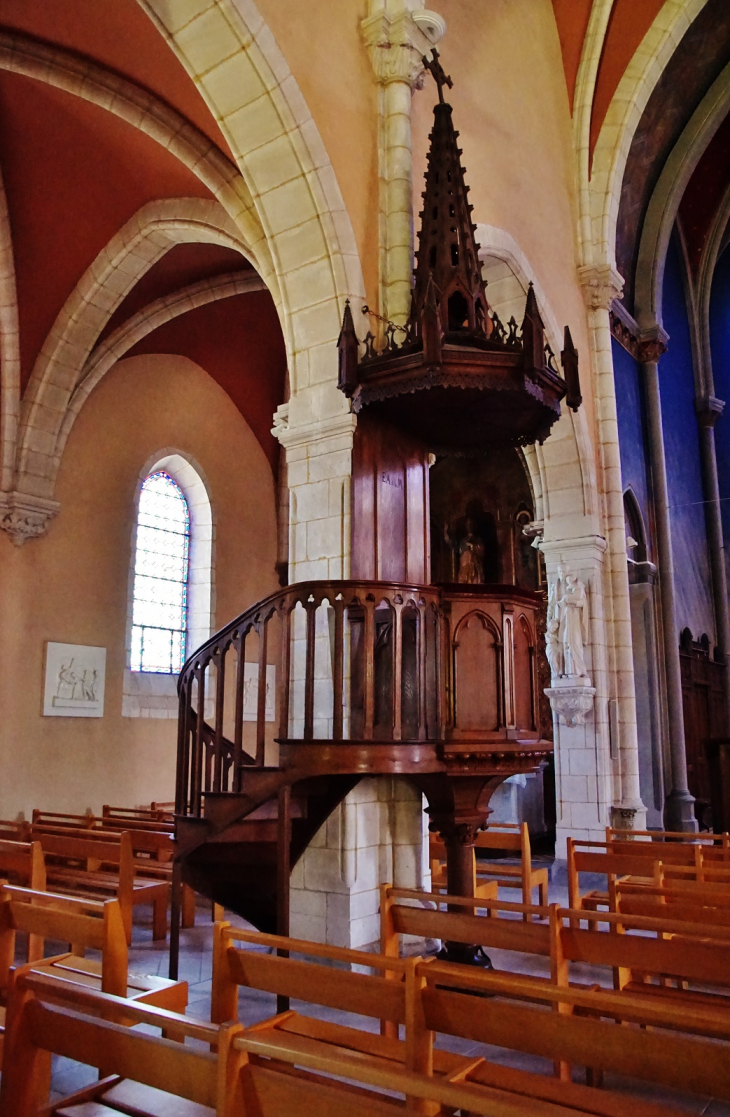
353,661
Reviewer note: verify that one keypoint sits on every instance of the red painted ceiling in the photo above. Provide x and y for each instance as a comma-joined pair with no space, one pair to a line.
117,34
74,174
705,192
183,265
571,17
238,341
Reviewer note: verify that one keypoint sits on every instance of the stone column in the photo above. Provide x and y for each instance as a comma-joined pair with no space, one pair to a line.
397,38
709,409
601,284
585,788
679,804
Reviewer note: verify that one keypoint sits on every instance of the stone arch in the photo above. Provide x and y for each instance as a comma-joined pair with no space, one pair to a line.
21,54
665,199
585,89
556,465
230,53
9,348
714,246
619,125
150,318
120,264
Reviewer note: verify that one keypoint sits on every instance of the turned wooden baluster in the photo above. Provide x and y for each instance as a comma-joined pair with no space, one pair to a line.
338,668
396,606
421,646
197,758
239,643
219,661
369,667
263,630
285,670
311,607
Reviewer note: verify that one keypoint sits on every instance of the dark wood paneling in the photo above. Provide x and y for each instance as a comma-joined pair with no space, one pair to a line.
390,537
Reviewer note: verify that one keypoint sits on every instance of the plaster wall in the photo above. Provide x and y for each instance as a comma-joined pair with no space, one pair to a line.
71,585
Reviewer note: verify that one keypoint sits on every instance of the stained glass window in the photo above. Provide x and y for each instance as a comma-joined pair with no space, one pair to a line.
159,611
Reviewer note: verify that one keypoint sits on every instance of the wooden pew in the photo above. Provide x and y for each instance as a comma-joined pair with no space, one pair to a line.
626,1048
308,1037
703,837
81,864
162,812
86,924
514,837
599,858
684,901
23,863
153,851
14,830
55,819
267,1071
141,1073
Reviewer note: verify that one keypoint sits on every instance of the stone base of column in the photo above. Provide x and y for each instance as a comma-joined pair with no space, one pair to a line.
679,812
628,817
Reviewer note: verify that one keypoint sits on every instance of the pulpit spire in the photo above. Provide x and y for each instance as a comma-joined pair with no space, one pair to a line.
448,253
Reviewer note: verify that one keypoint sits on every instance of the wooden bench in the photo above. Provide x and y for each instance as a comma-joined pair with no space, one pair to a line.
55,819
514,837
14,830
267,1071
87,866
143,1074
23,863
359,993
153,851
156,812
598,858
85,924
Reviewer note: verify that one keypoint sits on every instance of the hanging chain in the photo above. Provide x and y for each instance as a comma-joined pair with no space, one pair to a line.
386,321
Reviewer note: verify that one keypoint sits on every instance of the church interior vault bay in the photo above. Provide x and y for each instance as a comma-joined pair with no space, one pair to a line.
364,471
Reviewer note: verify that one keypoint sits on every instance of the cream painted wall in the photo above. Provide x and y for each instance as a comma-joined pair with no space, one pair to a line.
71,584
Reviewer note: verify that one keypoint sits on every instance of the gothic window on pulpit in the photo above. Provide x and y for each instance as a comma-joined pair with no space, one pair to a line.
160,596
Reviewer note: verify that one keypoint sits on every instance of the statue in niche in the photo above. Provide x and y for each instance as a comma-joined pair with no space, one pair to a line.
566,626
472,542
471,557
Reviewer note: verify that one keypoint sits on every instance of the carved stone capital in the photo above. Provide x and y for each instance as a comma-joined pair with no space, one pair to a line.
397,43
709,409
572,701
25,517
601,284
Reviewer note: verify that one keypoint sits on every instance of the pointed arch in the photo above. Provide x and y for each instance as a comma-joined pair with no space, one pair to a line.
151,232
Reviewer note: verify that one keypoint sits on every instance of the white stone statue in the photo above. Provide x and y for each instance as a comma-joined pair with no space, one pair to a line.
566,626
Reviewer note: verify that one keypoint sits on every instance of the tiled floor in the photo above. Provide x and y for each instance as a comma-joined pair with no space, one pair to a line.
195,967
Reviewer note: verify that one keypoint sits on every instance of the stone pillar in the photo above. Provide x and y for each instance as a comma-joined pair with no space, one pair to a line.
709,409
587,789
397,38
601,284
678,804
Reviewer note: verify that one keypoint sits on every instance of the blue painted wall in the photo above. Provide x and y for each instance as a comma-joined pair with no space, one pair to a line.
681,443
632,431
720,348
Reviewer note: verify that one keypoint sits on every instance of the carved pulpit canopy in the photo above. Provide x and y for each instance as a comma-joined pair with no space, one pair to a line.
454,375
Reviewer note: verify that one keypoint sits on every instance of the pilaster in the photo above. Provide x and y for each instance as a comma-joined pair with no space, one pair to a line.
602,284
397,38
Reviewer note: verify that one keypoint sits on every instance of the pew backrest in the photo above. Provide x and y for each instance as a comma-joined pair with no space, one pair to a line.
48,1017
86,924
317,981
24,862
411,912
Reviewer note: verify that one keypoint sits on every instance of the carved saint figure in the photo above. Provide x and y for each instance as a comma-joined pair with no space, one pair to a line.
566,626
471,557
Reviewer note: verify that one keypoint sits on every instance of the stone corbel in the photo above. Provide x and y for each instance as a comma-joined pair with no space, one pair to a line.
571,698
601,284
24,516
709,409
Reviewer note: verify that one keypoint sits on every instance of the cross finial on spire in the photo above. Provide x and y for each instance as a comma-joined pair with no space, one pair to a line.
437,72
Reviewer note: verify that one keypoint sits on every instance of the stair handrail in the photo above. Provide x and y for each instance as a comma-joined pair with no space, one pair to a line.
344,596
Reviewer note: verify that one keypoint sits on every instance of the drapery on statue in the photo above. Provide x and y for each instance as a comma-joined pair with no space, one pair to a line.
566,626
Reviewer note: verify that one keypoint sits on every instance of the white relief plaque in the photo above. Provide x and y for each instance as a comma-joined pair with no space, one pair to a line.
74,686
